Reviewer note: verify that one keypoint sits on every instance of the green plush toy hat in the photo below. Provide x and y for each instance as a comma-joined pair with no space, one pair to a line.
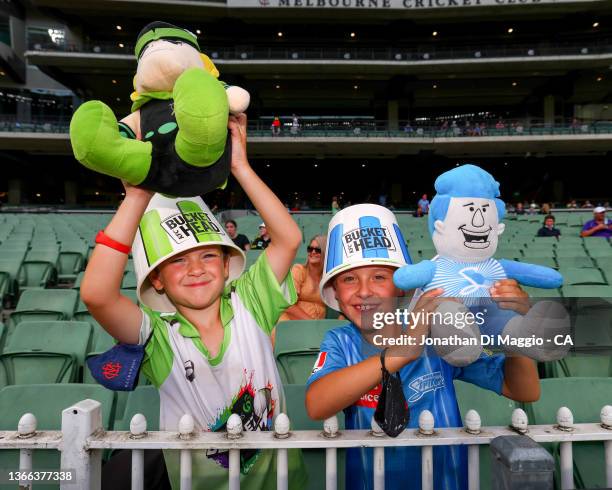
163,30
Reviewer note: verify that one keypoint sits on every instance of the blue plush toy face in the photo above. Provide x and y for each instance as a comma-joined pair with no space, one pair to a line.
469,231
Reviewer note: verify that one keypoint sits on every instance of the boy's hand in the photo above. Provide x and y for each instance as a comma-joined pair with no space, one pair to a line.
238,129
509,296
138,192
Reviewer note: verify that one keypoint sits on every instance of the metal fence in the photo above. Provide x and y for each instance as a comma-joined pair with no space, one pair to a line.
367,128
82,441
422,52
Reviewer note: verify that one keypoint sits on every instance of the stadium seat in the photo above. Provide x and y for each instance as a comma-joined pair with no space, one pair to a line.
587,291
46,402
297,346
71,259
251,257
37,352
582,275
144,400
129,280
314,459
579,261
493,409
38,268
9,287
589,395
547,261
45,304
580,366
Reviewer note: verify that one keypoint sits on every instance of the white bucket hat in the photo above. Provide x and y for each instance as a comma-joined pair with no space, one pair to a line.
168,227
360,235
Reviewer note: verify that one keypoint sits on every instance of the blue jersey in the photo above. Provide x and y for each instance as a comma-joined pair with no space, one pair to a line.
428,385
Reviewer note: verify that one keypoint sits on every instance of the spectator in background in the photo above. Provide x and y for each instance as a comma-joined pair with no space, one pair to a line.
295,124
599,226
519,208
232,230
549,227
587,204
263,239
572,204
276,126
419,212
424,204
500,124
545,209
306,278
335,207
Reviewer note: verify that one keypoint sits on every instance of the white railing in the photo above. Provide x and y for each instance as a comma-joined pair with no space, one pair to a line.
82,440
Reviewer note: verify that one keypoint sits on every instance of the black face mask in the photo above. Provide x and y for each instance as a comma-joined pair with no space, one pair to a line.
392,413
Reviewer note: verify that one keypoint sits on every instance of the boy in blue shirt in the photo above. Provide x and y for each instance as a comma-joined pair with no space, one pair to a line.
347,375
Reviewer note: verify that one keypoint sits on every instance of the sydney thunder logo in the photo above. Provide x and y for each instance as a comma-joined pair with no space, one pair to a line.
186,225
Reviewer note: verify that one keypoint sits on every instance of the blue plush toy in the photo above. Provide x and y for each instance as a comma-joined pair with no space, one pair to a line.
465,223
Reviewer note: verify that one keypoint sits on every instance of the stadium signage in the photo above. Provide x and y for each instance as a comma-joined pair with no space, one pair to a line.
385,4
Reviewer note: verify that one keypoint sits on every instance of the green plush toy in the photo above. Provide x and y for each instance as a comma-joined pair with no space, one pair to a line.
175,141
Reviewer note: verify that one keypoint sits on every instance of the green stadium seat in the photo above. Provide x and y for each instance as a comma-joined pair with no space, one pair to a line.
582,275
569,252
597,253
493,410
38,268
71,259
144,400
251,257
129,280
547,261
46,402
297,346
587,291
596,243
577,365
314,459
78,280
542,293
44,304
37,352
579,261
9,287
588,396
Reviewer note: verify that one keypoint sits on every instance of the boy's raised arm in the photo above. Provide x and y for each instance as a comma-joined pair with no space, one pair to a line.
100,289
284,233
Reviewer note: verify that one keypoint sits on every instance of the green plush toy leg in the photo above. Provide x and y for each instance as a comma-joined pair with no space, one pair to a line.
97,144
201,110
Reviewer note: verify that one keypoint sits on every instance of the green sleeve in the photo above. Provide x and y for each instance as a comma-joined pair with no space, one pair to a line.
126,131
158,358
262,295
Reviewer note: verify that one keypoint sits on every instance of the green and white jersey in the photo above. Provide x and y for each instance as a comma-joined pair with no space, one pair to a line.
241,379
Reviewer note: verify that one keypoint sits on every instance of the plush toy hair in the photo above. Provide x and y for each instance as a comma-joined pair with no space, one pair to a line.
465,181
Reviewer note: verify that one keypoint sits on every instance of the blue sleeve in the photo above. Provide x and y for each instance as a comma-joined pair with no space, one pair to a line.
331,357
415,275
487,372
536,276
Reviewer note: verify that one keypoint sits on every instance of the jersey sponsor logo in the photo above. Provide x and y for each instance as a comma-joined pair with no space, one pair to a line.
320,362
425,384
111,370
370,399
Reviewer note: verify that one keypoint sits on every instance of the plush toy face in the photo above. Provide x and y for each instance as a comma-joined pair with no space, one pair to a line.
162,62
469,231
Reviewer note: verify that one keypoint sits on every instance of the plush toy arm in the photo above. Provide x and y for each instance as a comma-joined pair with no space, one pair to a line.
532,275
415,275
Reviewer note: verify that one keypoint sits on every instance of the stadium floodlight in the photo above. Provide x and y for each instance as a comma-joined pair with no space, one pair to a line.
510,30
599,78
279,34
118,28
353,34
595,24
434,33
121,45
198,31
114,81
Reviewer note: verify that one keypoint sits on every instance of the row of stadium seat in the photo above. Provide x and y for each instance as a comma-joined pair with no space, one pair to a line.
47,401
